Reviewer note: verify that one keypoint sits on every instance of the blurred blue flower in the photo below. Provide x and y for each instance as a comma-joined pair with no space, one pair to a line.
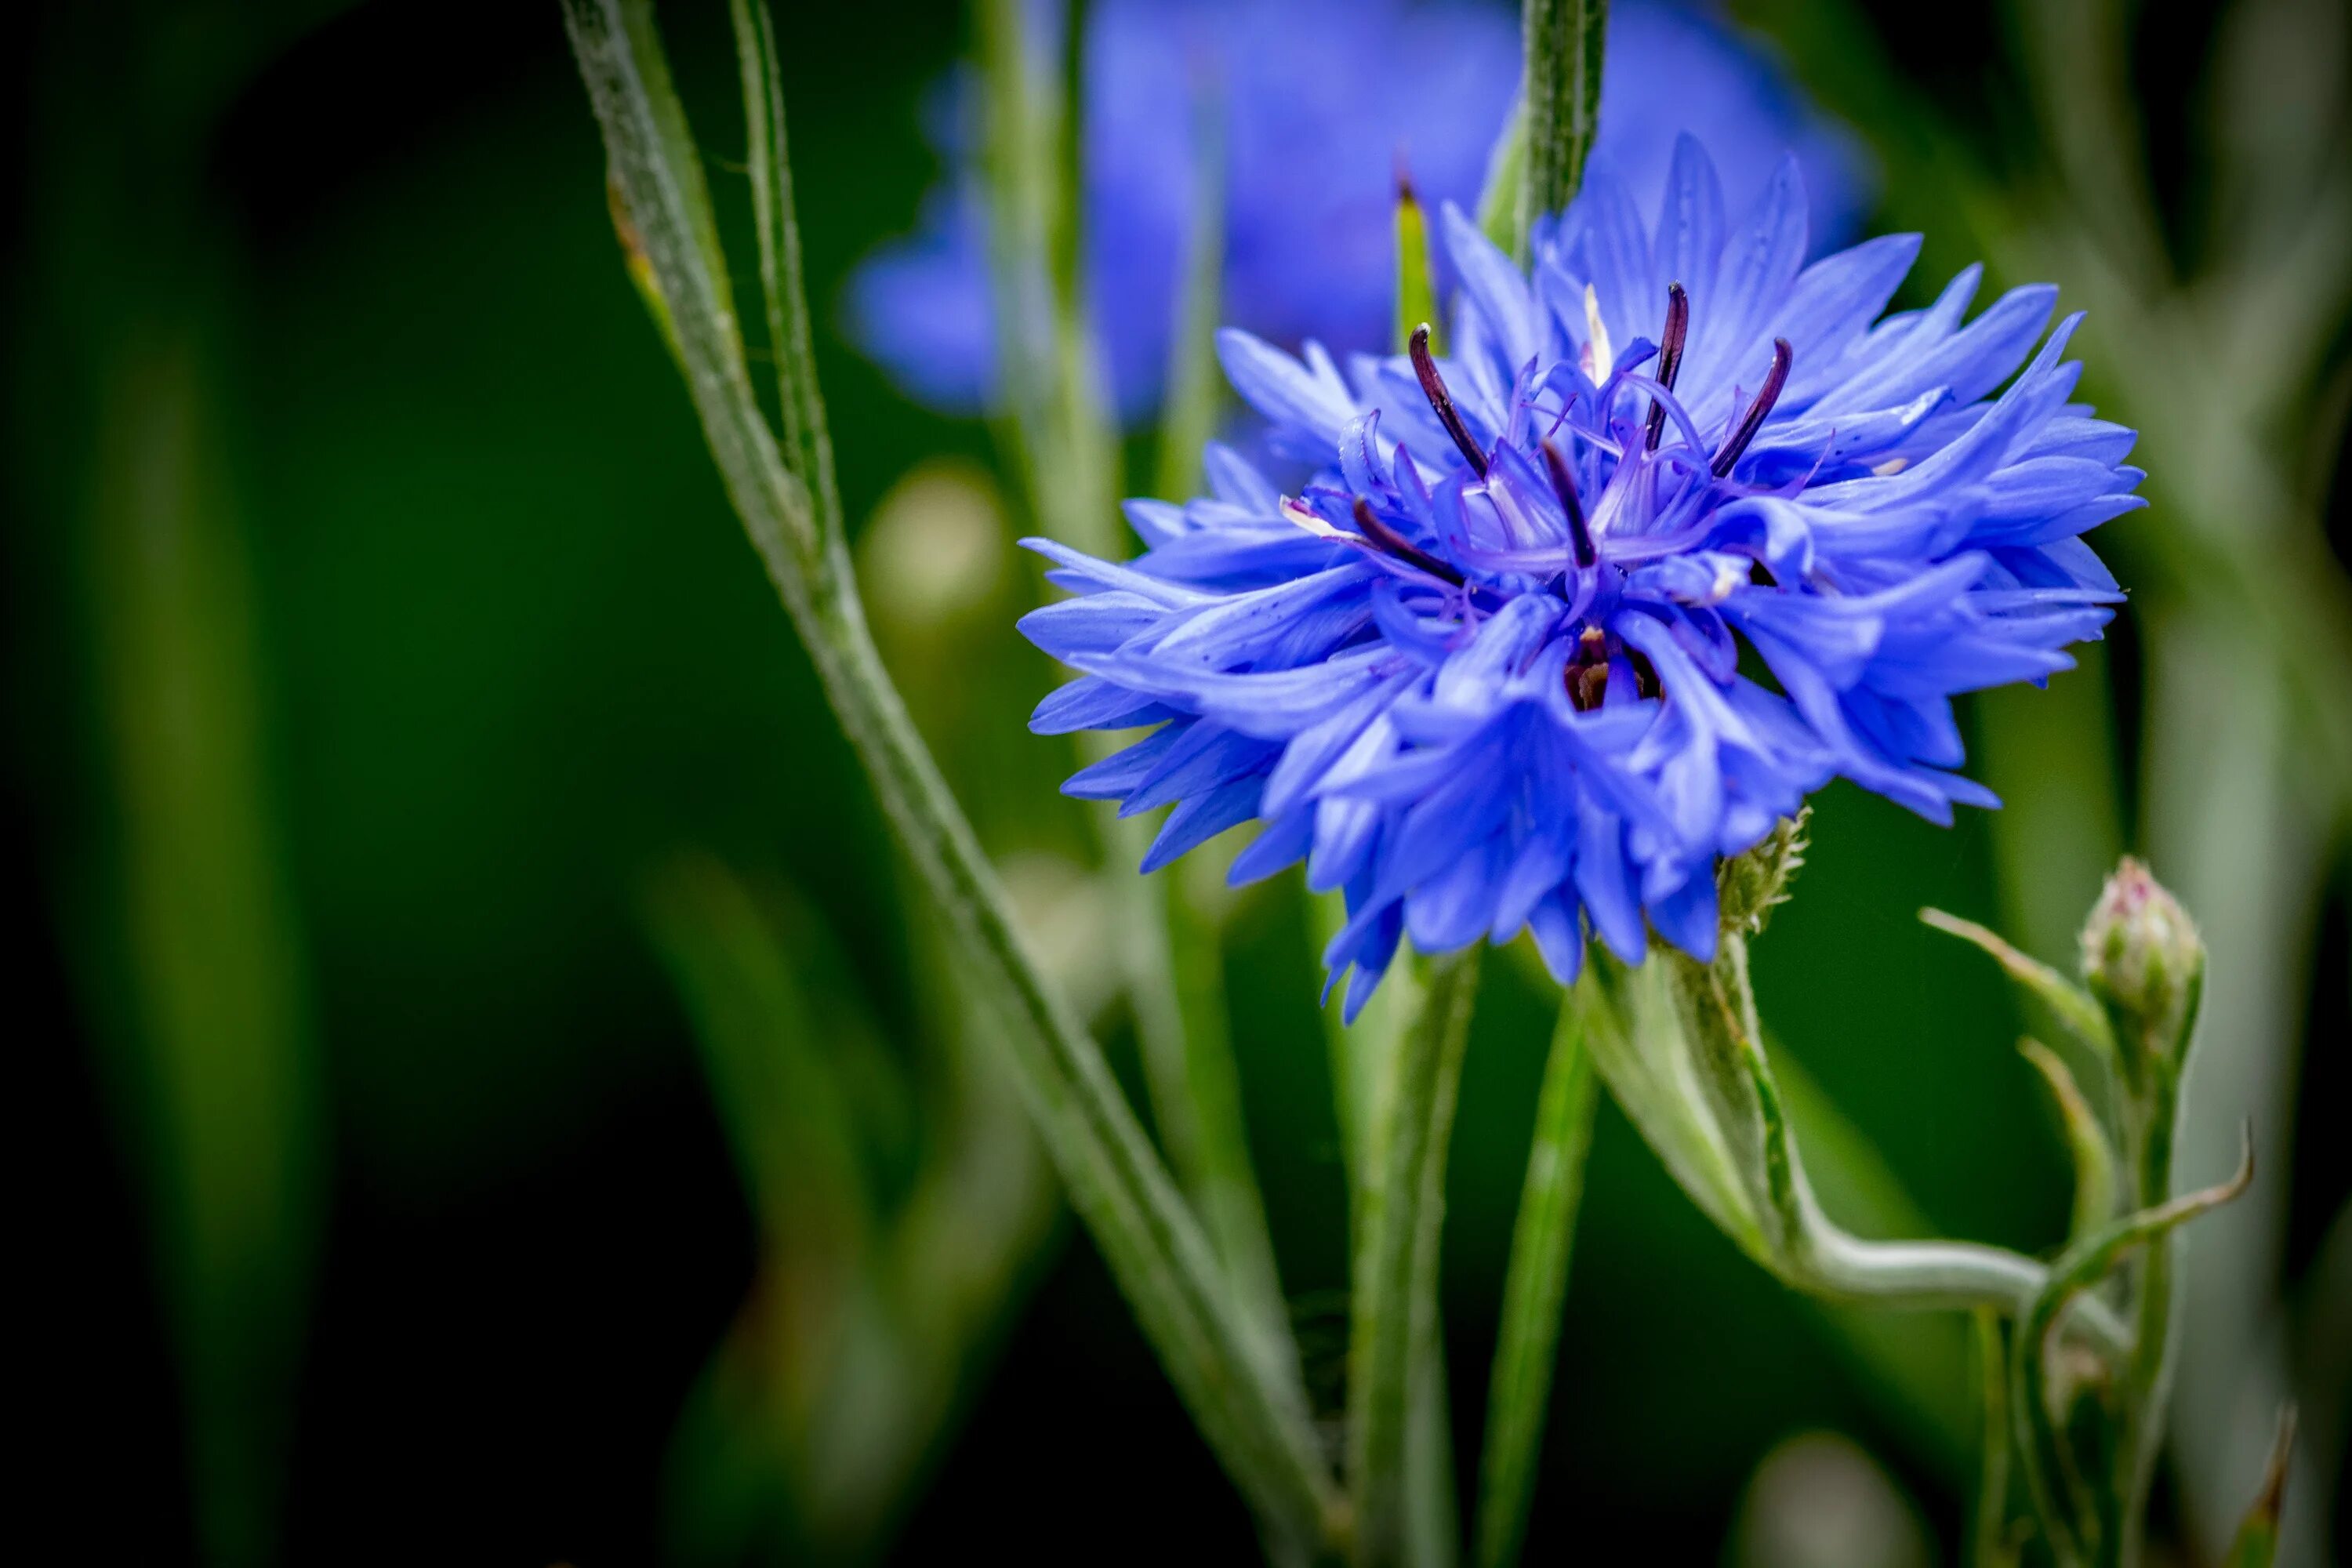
1680,530
1318,102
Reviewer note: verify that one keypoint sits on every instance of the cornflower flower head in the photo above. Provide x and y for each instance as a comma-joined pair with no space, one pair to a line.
1312,106
1679,529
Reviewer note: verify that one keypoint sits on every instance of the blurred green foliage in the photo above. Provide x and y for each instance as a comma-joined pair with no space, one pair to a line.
379,637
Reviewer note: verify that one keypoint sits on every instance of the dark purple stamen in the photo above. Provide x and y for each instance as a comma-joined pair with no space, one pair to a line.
1753,420
1433,386
1670,356
1563,485
1390,542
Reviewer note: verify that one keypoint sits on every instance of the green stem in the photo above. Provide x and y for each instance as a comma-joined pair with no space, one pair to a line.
2151,1126
2060,1498
1224,1181
1194,380
1731,1124
1072,460
1988,1544
1562,41
1534,1289
1395,1296
1153,1245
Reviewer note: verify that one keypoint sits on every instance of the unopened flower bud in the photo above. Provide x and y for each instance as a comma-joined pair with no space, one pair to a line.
2143,958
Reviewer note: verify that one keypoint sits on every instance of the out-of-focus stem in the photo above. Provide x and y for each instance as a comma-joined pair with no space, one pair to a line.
1533,1289
1562,41
1396,1255
1152,1243
1049,361
1988,1544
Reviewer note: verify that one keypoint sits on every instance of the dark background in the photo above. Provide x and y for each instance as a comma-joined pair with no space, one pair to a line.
512,650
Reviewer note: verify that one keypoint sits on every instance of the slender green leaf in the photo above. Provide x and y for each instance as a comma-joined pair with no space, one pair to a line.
1360,1053
2087,1140
776,1088
1152,1241
1416,293
1563,41
200,983
1499,197
1432,1512
807,444
2082,1017
1395,1296
1535,1287
1223,1178
675,140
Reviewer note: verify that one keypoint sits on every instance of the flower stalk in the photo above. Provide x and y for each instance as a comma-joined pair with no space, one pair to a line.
1153,1244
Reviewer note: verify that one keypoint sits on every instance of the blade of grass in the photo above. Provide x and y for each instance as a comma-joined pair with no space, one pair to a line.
807,444
204,995
1416,293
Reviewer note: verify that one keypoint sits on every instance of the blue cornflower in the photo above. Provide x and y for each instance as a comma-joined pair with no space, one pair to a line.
1679,531
1317,103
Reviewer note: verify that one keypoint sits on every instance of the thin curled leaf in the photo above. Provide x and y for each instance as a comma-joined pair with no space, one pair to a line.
2084,1017
2087,1140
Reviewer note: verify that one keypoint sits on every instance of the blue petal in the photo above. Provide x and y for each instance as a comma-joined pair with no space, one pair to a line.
1201,818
